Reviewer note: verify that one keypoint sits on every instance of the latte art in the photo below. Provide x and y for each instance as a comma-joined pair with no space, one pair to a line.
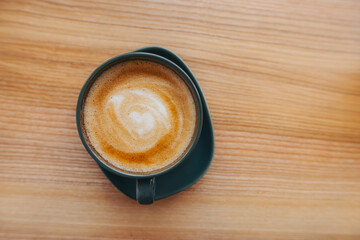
139,116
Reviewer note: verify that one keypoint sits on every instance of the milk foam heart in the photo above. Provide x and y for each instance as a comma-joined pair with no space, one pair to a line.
143,122
139,116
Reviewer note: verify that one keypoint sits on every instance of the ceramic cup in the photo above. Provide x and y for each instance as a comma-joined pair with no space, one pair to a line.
145,183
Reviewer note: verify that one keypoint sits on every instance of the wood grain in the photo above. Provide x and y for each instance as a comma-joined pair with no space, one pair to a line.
282,80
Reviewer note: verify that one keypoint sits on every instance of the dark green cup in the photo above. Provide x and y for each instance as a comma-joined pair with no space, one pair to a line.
145,183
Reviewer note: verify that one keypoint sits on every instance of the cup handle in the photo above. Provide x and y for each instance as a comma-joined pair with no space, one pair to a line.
145,190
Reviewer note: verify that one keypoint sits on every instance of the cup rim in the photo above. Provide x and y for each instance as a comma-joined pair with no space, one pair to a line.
137,56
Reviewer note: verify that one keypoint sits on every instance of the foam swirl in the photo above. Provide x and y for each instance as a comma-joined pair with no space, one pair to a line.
139,116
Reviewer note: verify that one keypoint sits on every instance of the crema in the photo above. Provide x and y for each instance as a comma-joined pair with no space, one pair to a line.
140,116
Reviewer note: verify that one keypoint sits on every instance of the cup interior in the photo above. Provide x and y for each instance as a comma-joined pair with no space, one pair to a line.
131,57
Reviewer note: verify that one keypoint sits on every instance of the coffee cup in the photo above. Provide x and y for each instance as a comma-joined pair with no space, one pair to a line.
139,115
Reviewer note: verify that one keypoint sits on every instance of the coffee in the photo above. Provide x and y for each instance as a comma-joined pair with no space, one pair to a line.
139,116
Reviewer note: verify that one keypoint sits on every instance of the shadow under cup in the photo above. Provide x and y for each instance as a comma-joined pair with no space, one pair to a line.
145,181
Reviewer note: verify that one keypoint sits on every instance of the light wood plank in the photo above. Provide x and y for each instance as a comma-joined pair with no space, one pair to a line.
282,81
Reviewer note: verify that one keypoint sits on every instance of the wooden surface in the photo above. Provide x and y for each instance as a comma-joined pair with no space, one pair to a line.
282,80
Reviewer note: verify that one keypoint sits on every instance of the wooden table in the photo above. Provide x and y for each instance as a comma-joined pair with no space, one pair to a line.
282,80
